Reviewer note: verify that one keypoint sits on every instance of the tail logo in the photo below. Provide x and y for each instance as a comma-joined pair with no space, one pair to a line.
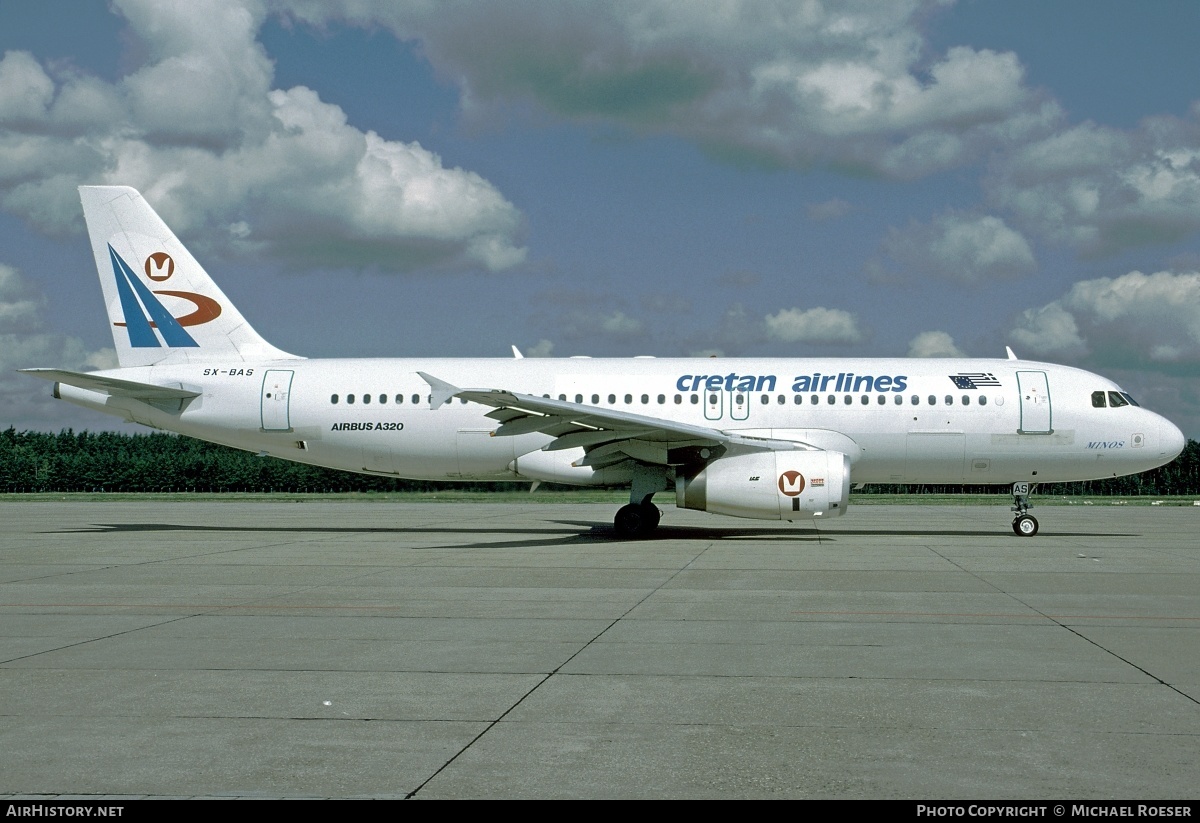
159,266
145,314
791,483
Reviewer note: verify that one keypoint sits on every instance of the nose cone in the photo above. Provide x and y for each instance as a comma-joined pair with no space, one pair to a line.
1170,438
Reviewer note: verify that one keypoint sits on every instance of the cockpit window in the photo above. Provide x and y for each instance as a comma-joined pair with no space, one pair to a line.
1116,399
1127,396
1098,401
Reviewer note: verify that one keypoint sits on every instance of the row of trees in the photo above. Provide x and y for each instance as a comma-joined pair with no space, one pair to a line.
113,462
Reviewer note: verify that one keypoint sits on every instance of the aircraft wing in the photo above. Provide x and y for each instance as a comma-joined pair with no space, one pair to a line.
608,436
116,387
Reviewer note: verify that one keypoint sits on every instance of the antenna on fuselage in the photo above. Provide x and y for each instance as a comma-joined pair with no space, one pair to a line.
1011,356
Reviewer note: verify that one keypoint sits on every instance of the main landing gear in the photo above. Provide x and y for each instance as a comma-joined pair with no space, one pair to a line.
640,518
1024,524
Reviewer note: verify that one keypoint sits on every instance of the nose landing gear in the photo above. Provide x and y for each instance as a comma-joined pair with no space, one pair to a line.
1024,524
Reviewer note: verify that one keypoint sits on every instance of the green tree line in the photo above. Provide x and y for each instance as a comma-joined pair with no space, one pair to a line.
158,462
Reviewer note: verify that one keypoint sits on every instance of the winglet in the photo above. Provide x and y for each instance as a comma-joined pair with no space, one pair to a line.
1011,356
517,353
443,392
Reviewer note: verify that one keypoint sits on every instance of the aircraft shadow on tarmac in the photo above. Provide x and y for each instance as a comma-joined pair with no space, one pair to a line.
568,532
549,533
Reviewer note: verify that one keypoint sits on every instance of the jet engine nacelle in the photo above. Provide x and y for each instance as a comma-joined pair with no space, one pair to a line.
783,485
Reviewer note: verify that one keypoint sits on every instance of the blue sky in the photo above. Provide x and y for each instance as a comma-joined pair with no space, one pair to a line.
615,179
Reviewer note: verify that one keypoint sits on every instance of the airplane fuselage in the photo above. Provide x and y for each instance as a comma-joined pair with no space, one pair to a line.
900,420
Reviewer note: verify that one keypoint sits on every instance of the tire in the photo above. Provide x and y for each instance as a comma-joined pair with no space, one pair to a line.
630,521
636,520
1025,526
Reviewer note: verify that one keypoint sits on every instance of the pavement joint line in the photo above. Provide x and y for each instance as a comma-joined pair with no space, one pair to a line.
558,669
1071,629
76,644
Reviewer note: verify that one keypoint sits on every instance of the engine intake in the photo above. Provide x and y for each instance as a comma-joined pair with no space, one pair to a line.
785,485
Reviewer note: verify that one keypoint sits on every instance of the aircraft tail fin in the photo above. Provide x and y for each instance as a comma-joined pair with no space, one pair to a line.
163,306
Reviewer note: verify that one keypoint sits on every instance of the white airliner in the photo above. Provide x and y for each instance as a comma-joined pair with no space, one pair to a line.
774,439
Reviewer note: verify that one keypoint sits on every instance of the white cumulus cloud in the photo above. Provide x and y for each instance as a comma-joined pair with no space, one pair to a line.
965,248
25,402
621,324
831,82
816,325
1135,319
234,164
542,348
934,344
1099,190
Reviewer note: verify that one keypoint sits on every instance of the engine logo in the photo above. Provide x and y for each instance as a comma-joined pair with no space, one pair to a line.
791,483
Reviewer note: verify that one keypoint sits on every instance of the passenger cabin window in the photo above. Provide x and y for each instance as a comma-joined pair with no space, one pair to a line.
1098,401
383,398
399,398
366,398
612,398
1115,399
595,399
983,399
350,399
333,399
416,399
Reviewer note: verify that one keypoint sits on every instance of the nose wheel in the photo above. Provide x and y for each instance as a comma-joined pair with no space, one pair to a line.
1024,524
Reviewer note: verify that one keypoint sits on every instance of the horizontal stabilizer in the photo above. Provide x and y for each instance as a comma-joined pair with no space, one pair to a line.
147,392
